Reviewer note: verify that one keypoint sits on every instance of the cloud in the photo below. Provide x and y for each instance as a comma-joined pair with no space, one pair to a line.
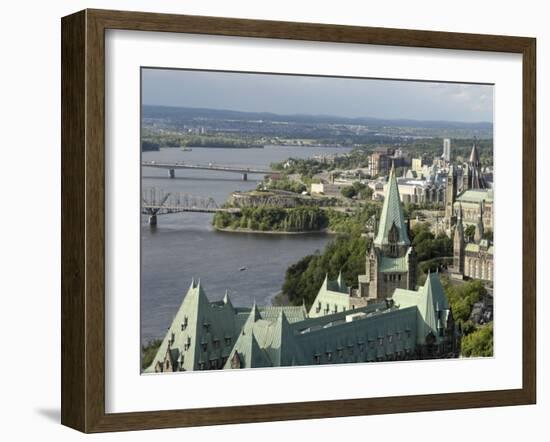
288,94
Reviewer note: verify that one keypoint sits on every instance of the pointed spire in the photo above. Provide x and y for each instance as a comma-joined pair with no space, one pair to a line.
226,299
254,313
479,226
474,155
392,213
325,282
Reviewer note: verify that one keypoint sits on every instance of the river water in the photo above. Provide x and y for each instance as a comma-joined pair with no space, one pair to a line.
185,246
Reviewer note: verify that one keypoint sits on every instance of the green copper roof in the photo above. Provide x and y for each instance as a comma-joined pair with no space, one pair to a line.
197,324
432,305
292,313
204,335
333,296
389,265
392,213
475,196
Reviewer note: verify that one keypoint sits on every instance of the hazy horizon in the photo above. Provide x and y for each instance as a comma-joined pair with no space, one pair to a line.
318,96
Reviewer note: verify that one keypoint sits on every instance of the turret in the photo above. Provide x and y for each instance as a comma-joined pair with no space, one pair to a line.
458,243
450,195
479,226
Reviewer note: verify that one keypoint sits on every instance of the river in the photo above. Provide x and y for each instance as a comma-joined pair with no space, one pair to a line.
185,246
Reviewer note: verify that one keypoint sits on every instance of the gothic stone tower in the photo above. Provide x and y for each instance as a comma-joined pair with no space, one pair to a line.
450,197
458,244
391,261
473,178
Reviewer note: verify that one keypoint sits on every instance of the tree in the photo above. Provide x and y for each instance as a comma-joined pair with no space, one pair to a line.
478,343
148,352
357,189
463,297
469,233
348,192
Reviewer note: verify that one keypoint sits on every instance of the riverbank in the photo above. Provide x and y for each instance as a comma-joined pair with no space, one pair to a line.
273,232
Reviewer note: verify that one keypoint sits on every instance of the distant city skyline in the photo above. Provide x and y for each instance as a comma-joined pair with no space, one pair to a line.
334,96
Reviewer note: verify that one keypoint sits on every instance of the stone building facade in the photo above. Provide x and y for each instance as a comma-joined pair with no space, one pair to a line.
467,187
473,259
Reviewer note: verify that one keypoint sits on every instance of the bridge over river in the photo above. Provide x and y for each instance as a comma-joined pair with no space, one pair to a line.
158,202
171,167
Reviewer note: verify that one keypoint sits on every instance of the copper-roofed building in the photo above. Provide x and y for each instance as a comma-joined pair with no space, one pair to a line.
208,335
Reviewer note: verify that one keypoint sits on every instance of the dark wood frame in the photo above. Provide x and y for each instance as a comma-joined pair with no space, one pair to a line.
83,220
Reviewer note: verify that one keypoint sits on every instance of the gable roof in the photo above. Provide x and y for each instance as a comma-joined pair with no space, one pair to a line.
431,303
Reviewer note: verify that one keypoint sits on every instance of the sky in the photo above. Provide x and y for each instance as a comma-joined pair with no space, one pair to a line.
345,97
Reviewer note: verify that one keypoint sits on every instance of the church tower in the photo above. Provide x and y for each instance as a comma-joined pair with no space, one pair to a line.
392,237
458,244
391,261
475,178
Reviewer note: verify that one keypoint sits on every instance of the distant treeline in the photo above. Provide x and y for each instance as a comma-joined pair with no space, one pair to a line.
149,146
155,142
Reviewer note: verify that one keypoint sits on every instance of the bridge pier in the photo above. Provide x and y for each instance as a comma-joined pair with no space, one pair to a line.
172,173
153,220
245,177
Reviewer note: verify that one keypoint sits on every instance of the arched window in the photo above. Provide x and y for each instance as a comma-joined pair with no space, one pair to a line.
393,238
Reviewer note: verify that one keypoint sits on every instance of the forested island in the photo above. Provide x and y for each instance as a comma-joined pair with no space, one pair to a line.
275,220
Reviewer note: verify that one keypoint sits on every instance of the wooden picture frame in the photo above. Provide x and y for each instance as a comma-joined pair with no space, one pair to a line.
83,219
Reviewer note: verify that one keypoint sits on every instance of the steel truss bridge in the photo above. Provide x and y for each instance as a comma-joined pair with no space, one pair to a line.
158,202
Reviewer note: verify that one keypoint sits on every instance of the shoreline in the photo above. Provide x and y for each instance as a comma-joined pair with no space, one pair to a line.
274,232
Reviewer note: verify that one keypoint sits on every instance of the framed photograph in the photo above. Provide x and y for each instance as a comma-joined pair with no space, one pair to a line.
268,221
